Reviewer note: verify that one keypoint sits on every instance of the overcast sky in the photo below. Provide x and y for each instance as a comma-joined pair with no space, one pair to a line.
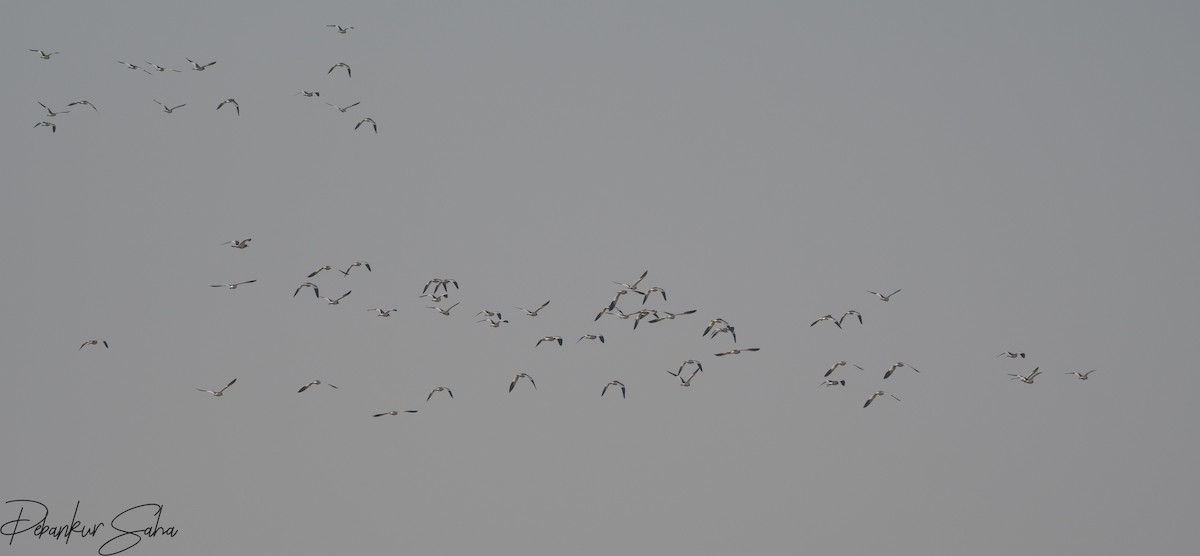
1025,172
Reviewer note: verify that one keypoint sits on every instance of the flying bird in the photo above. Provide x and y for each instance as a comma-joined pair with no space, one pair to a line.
851,312
134,67
340,65
634,285
445,311
344,109
667,315
1079,375
699,367
437,298
883,297
534,312
613,383
494,323
235,104
233,286
876,395
712,324
53,127
829,318
220,392
309,94
160,68
340,29
519,376
318,271
727,330
238,243
1027,379
735,351
314,383
52,113
374,126
550,339
688,381
170,110
336,301
646,294
897,365
85,103
365,264
832,382
197,66
394,412
439,389
316,290
93,342
1012,355
590,337
383,312
441,283
45,55
839,364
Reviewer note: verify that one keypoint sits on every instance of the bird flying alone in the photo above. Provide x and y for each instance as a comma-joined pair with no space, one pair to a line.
882,297
233,286
394,412
374,126
519,376
340,29
340,65
45,55
235,104
238,243
220,392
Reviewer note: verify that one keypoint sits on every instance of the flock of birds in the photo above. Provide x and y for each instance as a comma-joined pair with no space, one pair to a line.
196,66
437,291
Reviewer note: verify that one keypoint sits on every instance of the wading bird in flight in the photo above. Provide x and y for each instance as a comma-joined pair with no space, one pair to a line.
519,376
383,312
1027,379
197,66
829,318
394,412
340,65
364,264
1079,375
93,342
170,110
613,383
238,243
220,392
839,364
160,68
316,290
314,383
52,113
634,285
45,55
344,109
85,103
851,312
318,271
1012,355
309,94
340,29
374,126
335,301
233,286
667,315
445,311
832,382
550,339
53,127
883,297
897,365
735,351
876,395
590,337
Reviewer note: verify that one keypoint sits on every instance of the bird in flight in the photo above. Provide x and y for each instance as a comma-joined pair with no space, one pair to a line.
897,365
534,312
735,351
45,55
335,301
316,290
53,127
550,339
235,104
1012,355
374,126
646,294
93,342
839,364
170,110
519,376
613,383
494,323
340,29
52,113
883,297
318,271
383,312
340,65
1079,375
634,285
314,383
829,318
445,311
1027,379
309,94
832,382
160,68
590,337
365,264
197,66
712,324
439,389
134,67
394,412
238,243
667,315
233,286
688,382
344,109
85,103
220,392
699,367
876,395
851,312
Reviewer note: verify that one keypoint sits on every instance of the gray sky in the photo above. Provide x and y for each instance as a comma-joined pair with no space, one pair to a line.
1025,171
